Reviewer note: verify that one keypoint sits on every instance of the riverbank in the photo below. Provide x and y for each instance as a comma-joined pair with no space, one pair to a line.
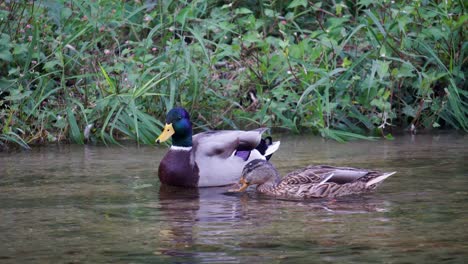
77,71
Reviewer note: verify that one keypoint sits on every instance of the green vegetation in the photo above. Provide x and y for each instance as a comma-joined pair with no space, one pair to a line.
104,70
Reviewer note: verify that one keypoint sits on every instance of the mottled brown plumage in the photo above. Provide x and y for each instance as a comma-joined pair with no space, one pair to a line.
311,182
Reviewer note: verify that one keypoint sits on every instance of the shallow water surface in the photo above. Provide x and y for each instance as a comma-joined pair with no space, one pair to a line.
74,204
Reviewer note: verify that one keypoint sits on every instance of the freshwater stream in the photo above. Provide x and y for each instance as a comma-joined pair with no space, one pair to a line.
96,204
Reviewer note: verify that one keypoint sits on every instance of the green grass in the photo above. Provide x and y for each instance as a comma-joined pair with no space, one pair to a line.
103,71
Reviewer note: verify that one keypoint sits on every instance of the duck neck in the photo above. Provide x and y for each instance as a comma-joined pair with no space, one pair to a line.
183,139
271,184
182,142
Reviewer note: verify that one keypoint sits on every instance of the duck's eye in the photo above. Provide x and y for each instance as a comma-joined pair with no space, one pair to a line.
179,118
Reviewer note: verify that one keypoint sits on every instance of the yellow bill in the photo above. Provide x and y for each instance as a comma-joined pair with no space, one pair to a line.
244,186
167,132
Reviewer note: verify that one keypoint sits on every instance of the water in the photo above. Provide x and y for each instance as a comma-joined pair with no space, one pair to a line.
77,204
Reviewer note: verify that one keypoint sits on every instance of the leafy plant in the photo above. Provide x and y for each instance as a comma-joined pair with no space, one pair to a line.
103,71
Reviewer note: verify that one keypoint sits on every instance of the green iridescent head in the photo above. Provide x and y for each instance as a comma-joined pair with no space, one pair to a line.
179,127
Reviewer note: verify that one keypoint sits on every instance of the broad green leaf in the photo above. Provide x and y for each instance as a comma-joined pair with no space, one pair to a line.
50,65
382,68
20,49
408,110
183,14
16,95
5,55
243,11
270,13
296,3
65,13
405,70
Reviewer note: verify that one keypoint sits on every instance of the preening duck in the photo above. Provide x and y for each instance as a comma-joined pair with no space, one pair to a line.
212,158
319,181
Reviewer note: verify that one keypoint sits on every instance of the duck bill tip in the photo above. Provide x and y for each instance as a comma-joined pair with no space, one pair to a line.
244,185
167,132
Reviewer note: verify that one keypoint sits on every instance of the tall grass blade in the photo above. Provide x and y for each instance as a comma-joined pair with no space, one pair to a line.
75,131
15,138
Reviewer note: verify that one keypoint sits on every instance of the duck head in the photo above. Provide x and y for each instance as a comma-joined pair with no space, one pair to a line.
258,172
179,127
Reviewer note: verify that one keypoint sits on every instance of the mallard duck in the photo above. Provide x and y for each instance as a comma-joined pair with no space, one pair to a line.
320,181
212,158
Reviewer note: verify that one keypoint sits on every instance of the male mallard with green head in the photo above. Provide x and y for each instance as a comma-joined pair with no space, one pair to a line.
212,158
319,181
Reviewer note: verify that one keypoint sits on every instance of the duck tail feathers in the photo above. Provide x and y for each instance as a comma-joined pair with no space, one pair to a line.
379,179
326,179
272,148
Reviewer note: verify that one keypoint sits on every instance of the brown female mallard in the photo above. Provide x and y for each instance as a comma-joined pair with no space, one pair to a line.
319,181
212,158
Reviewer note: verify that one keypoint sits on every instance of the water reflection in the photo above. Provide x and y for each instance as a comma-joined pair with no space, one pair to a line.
200,224
192,218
